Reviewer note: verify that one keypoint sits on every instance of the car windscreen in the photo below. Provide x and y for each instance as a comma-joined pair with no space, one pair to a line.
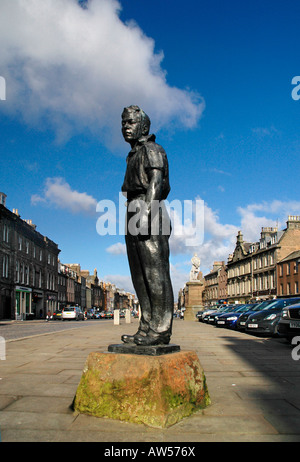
69,309
279,304
244,308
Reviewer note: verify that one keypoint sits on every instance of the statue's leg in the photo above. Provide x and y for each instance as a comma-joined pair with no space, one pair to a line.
138,280
154,254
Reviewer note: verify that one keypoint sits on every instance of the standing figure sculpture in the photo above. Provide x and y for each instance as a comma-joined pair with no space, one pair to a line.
195,268
146,183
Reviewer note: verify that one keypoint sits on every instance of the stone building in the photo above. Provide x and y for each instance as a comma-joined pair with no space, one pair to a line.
239,272
252,269
223,293
258,270
215,283
29,268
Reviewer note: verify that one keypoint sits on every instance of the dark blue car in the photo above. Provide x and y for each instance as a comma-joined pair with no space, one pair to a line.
241,322
230,319
266,321
210,318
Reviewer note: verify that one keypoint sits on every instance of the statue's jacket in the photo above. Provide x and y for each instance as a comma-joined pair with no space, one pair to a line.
146,155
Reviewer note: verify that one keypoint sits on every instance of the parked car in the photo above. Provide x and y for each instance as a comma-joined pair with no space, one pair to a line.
289,323
72,312
205,312
109,315
266,321
57,315
90,315
220,309
241,322
212,318
99,315
230,319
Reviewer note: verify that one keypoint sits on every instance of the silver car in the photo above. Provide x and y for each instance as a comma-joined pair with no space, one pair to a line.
72,312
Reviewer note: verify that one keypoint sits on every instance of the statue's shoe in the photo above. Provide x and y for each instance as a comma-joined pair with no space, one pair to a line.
149,340
131,338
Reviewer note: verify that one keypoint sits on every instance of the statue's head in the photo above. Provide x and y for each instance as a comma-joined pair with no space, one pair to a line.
135,124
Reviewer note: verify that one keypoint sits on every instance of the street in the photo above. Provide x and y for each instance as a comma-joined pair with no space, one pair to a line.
253,384
22,329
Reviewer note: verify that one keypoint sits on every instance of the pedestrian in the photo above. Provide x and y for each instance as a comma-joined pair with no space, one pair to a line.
48,317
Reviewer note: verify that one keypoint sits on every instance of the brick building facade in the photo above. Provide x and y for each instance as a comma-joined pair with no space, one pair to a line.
288,275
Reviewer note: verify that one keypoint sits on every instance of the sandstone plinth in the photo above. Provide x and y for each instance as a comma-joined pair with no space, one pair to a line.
156,391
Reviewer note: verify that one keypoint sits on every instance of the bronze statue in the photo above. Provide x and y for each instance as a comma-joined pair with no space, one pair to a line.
146,183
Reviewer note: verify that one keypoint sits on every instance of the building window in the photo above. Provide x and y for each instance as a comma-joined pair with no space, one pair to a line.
272,281
20,244
280,270
5,233
22,273
296,287
5,266
27,247
41,255
254,284
17,271
288,269
27,275
288,288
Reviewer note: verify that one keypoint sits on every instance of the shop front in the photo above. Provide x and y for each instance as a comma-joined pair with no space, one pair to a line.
23,303
37,306
51,302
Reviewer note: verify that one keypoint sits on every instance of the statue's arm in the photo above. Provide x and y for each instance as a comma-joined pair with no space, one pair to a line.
155,185
154,192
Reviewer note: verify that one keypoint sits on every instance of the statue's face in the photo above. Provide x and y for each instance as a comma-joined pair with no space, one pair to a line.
132,128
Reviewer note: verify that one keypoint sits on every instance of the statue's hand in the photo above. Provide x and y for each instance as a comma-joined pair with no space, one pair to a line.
145,223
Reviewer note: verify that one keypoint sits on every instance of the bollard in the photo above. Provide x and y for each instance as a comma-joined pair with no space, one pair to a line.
116,317
128,316
2,349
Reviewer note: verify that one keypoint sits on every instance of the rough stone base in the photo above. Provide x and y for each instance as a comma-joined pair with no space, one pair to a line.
157,391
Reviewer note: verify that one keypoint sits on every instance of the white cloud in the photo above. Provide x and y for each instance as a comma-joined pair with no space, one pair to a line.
74,69
262,132
117,249
258,215
121,282
58,193
179,278
219,238
217,242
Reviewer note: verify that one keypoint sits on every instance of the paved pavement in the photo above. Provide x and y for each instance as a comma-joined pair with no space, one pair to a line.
253,384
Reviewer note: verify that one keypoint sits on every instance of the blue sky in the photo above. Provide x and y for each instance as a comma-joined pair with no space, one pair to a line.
214,77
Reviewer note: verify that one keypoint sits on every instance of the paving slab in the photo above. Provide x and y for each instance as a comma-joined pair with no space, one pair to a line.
253,384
